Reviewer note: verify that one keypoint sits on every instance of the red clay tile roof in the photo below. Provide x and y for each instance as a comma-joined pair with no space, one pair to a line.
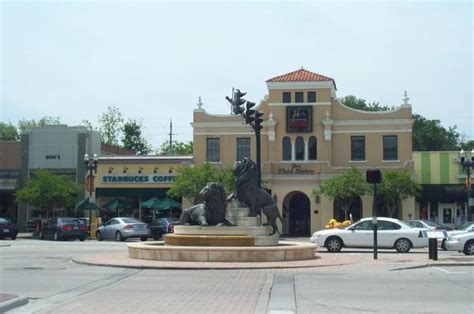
300,75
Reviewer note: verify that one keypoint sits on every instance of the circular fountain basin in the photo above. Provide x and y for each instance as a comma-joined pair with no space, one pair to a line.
284,251
208,240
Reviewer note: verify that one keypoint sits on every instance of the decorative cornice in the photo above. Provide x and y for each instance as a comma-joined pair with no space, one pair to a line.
284,104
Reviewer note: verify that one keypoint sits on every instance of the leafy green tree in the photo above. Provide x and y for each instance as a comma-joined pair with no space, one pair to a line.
86,123
345,188
111,124
395,187
8,132
178,148
46,190
46,120
190,180
429,135
467,145
133,138
361,104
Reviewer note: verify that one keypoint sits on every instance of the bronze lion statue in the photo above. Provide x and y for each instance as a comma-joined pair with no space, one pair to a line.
209,213
249,193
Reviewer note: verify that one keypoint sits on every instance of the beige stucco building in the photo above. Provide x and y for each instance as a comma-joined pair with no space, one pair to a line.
308,137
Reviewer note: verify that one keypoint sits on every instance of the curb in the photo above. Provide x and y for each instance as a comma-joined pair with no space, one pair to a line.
12,303
197,266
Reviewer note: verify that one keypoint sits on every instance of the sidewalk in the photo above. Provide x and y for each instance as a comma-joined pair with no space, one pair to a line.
10,301
322,259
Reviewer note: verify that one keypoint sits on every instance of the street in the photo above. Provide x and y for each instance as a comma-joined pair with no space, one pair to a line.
44,272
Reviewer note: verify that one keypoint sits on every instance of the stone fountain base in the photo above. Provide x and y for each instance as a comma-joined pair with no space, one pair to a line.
284,251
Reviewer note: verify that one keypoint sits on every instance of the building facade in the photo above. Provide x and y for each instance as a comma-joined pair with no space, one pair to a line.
308,137
444,193
59,149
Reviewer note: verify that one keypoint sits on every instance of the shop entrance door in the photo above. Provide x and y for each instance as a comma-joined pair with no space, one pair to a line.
447,215
300,215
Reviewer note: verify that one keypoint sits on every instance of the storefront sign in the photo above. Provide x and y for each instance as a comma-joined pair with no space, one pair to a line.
296,169
299,119
138,178
53,156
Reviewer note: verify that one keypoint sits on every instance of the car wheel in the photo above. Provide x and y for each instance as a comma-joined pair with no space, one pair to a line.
119,237
82,239
403,245
334,244
143,238
13,237
443,245
469,248
98,236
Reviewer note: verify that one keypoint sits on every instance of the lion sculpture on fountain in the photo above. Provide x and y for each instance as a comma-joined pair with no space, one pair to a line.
249,193
211,211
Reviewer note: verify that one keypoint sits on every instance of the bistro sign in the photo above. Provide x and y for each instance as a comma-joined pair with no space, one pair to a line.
296,169
139,178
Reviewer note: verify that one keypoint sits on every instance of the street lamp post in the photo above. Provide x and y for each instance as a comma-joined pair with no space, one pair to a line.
466,160
91,170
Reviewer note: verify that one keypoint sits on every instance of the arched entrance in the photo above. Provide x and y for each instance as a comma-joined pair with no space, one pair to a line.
296,210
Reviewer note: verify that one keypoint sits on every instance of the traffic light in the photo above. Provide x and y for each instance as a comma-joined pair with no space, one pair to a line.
237,101
248,113
258,121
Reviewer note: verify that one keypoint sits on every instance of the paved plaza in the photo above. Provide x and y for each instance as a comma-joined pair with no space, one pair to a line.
48,276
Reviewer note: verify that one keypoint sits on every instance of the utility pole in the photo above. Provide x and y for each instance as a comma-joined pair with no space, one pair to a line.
171,137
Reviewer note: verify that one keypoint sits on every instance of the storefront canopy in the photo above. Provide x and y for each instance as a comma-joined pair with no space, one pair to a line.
164,204
116,204
86,204
444,193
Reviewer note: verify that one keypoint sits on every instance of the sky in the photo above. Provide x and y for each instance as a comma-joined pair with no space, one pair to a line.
154,59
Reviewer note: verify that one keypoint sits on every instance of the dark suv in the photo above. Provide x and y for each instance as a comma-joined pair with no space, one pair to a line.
162,226
7,228
64,228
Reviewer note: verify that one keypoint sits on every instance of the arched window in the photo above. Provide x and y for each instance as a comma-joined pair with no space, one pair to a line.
299,148
312,148
286,148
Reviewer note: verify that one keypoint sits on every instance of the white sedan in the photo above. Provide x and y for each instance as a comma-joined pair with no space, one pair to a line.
391,233
461,242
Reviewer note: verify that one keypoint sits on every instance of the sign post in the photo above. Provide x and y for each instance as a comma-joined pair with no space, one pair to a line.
374,176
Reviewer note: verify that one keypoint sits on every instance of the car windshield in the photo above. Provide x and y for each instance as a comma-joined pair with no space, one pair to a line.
71,221
466,225
5,220
432,223
131,221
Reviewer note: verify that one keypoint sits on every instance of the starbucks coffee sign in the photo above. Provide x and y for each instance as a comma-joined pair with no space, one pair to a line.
137,178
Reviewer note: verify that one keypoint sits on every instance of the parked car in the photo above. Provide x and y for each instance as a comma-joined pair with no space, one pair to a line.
8,229
122,228
427,224
463,242
64,228
467,227
391,233
161,226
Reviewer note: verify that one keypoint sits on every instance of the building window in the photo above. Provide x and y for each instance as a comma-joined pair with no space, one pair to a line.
299,97
286,148
299,148
243,147
213,149
312,148
390,147
286,97
357,148
311,96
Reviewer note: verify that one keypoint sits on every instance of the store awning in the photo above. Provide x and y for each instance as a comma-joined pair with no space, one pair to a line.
444,193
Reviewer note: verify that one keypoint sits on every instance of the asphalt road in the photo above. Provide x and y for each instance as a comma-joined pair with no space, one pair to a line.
43,271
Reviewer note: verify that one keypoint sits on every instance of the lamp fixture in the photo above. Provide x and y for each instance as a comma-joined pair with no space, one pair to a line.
155,170
125,169
317,199
170,170
111,169
140,169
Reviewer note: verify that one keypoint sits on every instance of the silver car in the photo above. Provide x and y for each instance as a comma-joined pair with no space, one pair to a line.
122,228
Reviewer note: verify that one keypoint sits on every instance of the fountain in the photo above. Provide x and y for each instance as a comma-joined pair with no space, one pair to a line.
208,232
